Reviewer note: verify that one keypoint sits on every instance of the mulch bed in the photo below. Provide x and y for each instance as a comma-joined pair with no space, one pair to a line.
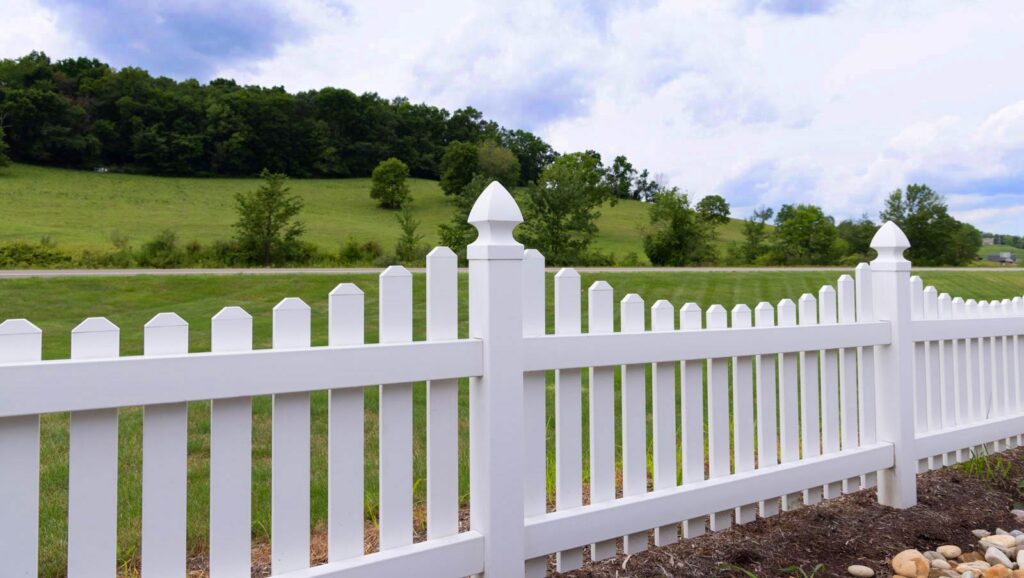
853,529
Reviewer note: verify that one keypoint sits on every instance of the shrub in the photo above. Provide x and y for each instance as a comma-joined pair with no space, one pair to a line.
389,186
355,253
162,252
22,255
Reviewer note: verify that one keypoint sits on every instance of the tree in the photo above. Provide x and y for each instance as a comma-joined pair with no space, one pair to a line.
4,160
679,235
407,249
266,231
457,233
857,234
804,235
561,210
714,209
644,187
458,165
389,186
620,177
498,164
936,238
755,235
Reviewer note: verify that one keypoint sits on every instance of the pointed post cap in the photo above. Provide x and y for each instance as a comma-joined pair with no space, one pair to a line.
495,215
890,242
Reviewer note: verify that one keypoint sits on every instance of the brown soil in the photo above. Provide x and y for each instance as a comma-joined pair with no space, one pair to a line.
853,529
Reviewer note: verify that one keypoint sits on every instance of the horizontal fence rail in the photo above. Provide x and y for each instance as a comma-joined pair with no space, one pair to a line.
507,450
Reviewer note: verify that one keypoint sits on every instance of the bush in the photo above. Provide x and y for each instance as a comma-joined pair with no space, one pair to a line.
355,253
389,186
22,255
162,252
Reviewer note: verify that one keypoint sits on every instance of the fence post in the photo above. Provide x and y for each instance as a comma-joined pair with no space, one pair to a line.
890,274
496,434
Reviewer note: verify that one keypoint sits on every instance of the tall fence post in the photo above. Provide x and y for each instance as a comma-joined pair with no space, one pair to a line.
890,274
496,435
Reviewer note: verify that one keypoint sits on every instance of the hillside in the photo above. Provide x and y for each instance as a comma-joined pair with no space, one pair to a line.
80,210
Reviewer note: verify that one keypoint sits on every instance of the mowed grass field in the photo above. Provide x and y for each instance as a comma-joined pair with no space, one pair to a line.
81,209
57,304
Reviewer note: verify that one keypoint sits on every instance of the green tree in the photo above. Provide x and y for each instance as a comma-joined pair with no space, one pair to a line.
857,234
936,238
679,235
389,187
755,235
620,177
266,230
458,165
407,249
805,235
498,164
457,233
714,209
4,160
561,210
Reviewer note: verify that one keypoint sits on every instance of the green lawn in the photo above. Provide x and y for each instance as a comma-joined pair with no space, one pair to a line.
989,249
80,210
57,305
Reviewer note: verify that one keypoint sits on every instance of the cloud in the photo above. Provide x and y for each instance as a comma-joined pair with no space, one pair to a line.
180,39
796,7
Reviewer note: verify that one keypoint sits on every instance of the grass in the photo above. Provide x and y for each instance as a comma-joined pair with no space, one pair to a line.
80,210
57,305
989,249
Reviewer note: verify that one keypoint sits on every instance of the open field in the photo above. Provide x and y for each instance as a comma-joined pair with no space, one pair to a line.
57,305
80,210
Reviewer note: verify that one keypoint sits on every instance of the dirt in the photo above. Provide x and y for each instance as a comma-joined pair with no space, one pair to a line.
853,529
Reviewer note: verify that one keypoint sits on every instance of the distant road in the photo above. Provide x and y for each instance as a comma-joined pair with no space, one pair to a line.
28,273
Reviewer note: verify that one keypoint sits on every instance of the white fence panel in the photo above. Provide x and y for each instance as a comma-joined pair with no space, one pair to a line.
663,402
535,487
692,399
442,399
601,319
568,412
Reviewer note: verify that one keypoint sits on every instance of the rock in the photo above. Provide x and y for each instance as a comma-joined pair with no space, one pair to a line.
1017,573
949,551
910,564
1020,558
981,533
1020,539
1019,514
971,557
941,564
1016,533
1002,541
997,571
860,571
976,567
1001,532
932,555
995,556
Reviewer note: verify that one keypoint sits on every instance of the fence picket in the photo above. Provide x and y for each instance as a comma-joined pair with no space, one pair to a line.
535,495
830,434
767,422
289,515
164,458
810,417
663,403
442,399
92,465
692,399
848,378
866,367
718,417
231,458
395,415
948,374
743,411
19,462
789,403
345,434
920,368
1018,362
988,372
634,418
933,375
601,319
568,412
962,384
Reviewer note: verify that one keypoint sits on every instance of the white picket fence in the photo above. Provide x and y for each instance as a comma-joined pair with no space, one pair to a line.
869,382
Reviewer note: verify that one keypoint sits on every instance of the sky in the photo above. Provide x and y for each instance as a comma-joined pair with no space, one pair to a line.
832,102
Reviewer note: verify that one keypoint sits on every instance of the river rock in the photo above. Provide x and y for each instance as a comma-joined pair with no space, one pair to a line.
940,564
1001,541
979,533
997,571
910,564
994,556
860,571
949,551
1019,515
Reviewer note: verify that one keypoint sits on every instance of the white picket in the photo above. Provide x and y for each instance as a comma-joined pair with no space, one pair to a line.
535,496
568,412
848,421
442,399
974,385
767,421
92,465
830,434
743,411
987,364
634,418
692,399
231,458
718,417
810,417
1018,361
947,374
290,447
345,436
866,367
920,368
933,376
789,403
961,382
601,320
20,341
663,403
395,415
164,459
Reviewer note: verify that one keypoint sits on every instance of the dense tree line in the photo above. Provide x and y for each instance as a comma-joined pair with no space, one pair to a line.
82,113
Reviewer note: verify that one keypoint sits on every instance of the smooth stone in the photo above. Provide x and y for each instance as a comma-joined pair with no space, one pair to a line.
1004,541
910,564
1020,540
1020,558
941,564
981,533
994,556
1016,533
1019,514
949,551
933,555
997,571
1001,532
860,571
971,557
976,566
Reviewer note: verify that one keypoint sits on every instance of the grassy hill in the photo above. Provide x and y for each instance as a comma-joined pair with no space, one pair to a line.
80,210
989,249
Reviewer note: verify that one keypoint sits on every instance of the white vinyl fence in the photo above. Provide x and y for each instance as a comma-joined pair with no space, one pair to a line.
867,383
